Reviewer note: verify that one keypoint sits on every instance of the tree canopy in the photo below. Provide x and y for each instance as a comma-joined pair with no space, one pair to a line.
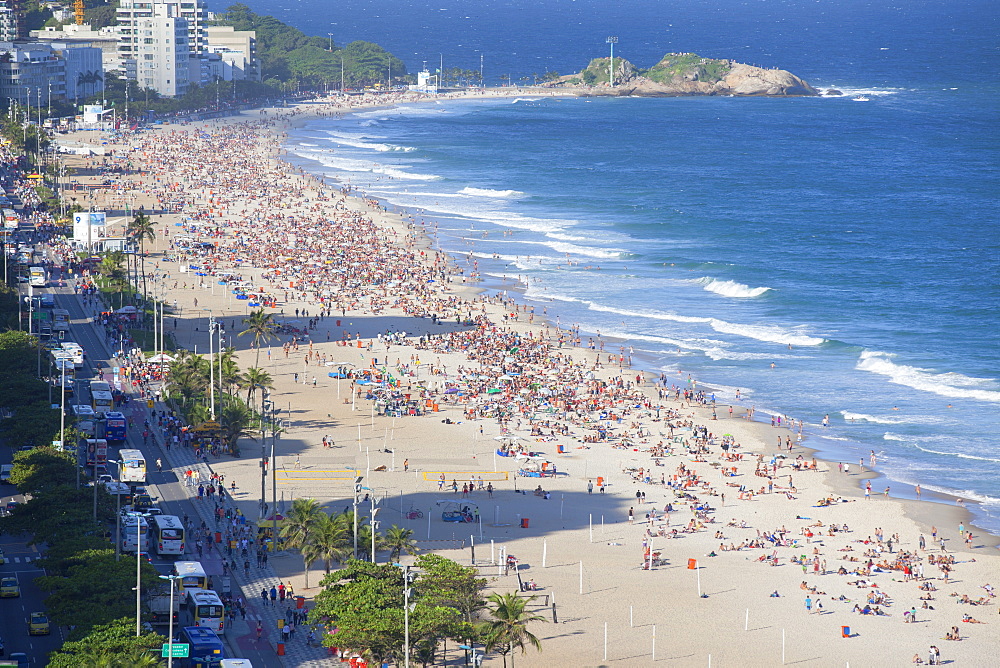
287,53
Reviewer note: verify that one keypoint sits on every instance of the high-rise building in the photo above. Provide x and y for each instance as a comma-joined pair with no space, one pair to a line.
31,72
8,23
195,12
160,53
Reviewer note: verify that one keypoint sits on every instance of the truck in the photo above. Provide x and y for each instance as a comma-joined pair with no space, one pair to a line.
158,607
85,419
60,320
10,219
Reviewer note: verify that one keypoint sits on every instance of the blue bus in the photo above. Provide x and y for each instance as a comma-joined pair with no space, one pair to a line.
116,426
206,649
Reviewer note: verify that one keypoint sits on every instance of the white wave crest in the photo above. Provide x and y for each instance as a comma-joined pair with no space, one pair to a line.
730,288
901,418
525,99
489,192
960,455
948,384
767,333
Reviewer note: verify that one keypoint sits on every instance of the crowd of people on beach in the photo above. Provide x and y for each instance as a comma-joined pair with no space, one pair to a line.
316,254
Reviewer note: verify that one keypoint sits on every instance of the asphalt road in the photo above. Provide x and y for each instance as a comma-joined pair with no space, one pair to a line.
14,611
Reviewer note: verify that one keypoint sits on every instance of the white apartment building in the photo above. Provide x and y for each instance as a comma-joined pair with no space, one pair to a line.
8,23
160,54
195,12
238,50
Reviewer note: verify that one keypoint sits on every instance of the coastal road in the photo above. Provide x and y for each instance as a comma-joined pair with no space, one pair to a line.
165,487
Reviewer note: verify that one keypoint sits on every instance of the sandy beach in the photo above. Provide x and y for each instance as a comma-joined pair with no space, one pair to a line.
675,530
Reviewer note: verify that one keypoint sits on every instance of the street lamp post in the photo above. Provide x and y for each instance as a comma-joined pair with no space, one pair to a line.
138,580
265,406
62,409
211,365
407,581
374,527
611,70
118,518
170,631
330,35
357,490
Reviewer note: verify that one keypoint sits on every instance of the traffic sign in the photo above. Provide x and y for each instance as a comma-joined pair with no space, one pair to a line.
177,650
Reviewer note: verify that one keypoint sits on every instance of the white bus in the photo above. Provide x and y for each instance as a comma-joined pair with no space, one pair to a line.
167,534
38,277
132,468
135,533
192,575
75,350
204,608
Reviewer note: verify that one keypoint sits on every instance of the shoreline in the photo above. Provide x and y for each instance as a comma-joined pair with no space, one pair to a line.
732,580
960,512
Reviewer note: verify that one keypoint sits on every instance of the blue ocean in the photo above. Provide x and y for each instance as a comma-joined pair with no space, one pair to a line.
823,256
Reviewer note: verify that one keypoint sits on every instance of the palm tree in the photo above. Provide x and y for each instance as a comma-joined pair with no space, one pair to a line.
140,229
254,378
330,541
228,371
509,627
299,527
235,417
261,325
114,273
399,540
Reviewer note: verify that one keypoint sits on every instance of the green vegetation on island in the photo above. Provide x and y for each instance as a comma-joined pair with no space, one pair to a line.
686,74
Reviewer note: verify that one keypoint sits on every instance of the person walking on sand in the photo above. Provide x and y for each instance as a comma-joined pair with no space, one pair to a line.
631,515
590,487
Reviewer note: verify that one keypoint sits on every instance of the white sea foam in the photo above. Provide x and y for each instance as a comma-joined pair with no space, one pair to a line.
369,146
718,354
525,99
948,384
960,455
489,192
899,418
767,333
851,91
730,288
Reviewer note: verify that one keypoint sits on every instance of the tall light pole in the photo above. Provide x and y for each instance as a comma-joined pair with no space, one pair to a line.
211,364
265,406
611,70
138,580
170,631
357,490
407,581
62,409
374,526
118,516
330,35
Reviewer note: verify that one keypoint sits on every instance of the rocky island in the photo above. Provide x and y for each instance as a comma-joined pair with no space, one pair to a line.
683,74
